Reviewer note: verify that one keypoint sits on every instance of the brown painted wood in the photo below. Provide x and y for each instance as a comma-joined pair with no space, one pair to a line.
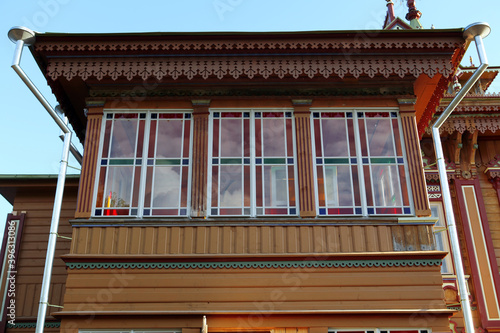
247,239
89,163
304,160
36,199
210,290
200,160
415,166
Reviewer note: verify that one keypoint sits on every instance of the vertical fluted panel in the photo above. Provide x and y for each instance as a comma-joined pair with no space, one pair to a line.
89,165
198,240
415,167
305,165
199,167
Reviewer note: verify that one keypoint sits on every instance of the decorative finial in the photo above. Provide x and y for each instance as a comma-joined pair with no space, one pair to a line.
413,15
390,11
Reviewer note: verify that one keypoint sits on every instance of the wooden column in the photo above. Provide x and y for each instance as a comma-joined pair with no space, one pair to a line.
90,158
200,158
414,157
304,157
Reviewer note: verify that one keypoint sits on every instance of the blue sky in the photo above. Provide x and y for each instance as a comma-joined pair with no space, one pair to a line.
29,142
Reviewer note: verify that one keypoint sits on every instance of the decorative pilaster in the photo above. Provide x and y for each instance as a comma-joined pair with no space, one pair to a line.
414,157
200,158
90,157
484,268
304,157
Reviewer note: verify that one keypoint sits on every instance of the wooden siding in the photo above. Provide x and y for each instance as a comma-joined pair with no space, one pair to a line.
253,290
164,240
38,203
264,323
89,164
415,167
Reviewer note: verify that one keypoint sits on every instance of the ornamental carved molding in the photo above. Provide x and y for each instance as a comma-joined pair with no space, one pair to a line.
248,66
493,170
469,124
359,41
472,108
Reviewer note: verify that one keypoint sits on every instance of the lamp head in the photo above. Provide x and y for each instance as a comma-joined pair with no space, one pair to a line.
477,29
21,33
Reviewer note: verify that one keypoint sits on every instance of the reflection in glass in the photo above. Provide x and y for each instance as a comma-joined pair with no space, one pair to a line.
169,139
386,185
118,187
230,186
379,135
166,186
123,138
274,137
275,186
230,137
334,137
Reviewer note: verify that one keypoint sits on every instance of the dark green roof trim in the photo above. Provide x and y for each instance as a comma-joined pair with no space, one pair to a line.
258,264
252,33
55,324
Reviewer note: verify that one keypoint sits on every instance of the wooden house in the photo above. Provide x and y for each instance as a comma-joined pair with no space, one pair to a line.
256,182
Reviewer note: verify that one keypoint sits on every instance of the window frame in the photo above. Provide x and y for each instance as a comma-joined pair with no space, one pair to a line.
410,209
253,165
441,230
144,163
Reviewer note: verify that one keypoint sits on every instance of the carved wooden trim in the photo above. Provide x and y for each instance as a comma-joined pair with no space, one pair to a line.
415,166
248,66
200,158
296,43
304,159
469,124
89,164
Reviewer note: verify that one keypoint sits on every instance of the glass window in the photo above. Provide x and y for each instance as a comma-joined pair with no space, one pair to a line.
441,236
359,163
148,151
252,170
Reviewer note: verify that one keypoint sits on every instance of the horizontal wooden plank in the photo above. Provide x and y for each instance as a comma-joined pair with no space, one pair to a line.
287,279
97,305
261,294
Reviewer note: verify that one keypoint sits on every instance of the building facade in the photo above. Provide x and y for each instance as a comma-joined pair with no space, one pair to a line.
257,182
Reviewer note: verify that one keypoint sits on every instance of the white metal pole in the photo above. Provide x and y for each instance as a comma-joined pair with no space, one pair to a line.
54,225
477,29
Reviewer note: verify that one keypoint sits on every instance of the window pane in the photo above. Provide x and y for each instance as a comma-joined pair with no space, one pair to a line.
169,139
166,186
379,135
118,187
123,138
334,137
386,185
231,188
276,186
274,137
230,137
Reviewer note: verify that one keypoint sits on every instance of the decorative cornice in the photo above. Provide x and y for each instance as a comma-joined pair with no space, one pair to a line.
307,66
256,264
273,92
290,43
472,108
470,124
